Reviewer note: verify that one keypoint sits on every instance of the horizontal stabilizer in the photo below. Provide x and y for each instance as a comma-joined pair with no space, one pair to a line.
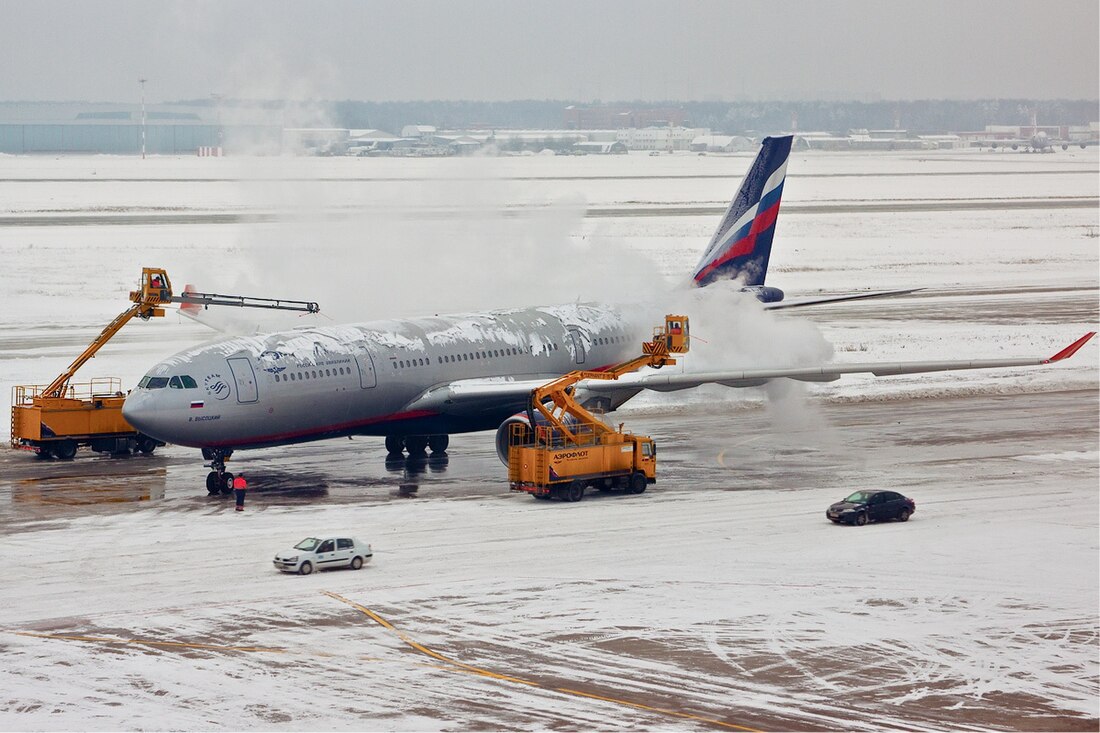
818,300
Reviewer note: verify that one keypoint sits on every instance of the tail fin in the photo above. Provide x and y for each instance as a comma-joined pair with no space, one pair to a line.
743,242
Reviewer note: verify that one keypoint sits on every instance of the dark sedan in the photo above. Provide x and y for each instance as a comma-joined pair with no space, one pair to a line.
872,506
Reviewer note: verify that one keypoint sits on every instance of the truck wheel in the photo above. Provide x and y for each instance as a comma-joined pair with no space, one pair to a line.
306,568
575,492
44,452
145,444
638,483
356,562
65,450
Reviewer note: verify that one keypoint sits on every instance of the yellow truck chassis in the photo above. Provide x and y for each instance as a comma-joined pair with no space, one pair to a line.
570,448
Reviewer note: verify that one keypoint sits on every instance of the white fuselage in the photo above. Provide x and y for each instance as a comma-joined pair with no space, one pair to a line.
313,383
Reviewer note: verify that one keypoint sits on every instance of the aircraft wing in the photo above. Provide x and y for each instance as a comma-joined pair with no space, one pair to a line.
661,382
817,300
468,397
472,396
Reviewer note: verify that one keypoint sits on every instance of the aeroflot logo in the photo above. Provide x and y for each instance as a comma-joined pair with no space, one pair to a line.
572,454
271,358
216,386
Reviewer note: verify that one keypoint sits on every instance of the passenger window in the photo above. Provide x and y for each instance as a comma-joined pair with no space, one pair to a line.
314,375
342,544
326,546
276,377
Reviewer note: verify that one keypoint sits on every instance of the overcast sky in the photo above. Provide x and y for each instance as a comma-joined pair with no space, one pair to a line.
549,49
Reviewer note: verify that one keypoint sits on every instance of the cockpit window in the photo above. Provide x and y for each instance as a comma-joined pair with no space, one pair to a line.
175,383
154,382
188,382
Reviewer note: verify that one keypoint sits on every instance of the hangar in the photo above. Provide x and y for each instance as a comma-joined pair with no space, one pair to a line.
82,127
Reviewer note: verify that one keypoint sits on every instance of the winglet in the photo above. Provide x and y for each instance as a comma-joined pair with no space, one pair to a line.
1071,349
189,309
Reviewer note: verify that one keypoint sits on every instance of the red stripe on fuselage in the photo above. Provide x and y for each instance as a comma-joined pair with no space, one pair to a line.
763,220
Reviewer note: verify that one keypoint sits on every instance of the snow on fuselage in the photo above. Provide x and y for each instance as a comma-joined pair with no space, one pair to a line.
320,382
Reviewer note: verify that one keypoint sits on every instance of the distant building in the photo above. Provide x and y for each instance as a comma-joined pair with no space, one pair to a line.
421,131
721,144
619,117
82,127
660,138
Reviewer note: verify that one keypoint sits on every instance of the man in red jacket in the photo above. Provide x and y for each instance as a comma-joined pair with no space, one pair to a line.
239,487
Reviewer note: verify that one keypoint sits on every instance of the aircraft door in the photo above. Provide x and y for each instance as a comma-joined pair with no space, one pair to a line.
367,377
245,379
578,344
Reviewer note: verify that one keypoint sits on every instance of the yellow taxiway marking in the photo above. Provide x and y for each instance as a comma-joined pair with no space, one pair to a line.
722,453
455,665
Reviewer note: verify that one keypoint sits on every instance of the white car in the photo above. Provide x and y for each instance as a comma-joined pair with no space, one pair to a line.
321,553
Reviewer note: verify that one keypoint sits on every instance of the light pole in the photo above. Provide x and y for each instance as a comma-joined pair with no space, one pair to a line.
142,82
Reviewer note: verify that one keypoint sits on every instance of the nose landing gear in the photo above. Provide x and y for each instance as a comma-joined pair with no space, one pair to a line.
218,481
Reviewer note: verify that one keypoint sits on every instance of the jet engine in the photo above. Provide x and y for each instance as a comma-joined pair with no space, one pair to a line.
504,432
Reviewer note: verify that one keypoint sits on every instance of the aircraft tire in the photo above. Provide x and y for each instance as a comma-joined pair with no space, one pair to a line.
212,487
395,444
439,443
227,483
416,444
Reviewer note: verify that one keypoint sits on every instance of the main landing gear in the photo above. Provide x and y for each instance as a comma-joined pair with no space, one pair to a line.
218,481
416,444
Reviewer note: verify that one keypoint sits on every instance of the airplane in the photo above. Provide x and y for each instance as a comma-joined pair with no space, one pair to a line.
1040,142
417,381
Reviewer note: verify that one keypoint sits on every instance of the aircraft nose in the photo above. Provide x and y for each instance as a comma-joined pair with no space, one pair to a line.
140,410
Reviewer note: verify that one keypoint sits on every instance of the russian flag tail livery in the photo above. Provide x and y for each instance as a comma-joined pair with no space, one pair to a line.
743,242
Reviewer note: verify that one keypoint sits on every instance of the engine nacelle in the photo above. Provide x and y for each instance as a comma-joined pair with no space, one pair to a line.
764,293
504,432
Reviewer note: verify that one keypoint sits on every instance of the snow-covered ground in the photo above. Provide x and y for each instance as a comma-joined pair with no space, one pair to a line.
680,610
